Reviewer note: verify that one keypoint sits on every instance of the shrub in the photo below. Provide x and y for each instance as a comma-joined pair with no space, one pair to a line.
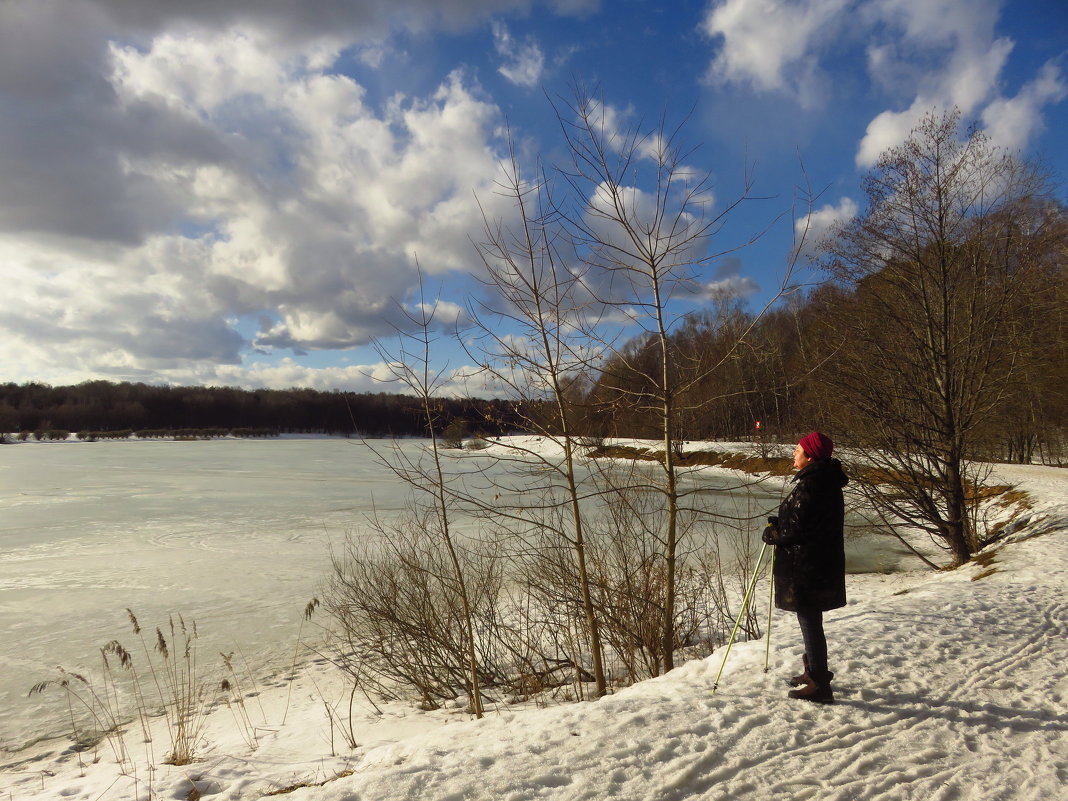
454,434
397,617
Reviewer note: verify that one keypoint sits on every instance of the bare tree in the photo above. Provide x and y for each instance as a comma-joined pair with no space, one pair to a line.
622,242
928,330
643,222
412,369
539,299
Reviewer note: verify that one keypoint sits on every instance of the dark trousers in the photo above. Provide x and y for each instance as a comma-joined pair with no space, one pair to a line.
811,622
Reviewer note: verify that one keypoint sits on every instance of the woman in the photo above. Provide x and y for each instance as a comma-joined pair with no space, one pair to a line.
810,557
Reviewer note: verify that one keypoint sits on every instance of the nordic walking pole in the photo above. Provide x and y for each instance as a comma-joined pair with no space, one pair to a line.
771,604
738,621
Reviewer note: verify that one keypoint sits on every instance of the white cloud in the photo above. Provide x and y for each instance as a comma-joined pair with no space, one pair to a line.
373,55
1012,122
626,224
891,128
812,228
524,62
129,313
442,314
289,373
728,283
926,54
936,22
652,224
966,85
610,122
209,178
373,377
773,45
735,287
331,234
961,61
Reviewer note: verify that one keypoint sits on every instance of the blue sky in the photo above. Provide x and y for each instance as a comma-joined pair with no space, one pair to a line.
239,193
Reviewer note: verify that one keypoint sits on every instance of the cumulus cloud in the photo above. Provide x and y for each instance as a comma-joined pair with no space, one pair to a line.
937,50
524,62
290,373
175,171
372,377
957,46
71,150
646,221
925,54
735,287
129,314
967,61
1012,122
813,228
329,236
442,314
170,187
773,45
728,283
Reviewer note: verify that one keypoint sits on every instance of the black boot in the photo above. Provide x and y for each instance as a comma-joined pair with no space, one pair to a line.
818,690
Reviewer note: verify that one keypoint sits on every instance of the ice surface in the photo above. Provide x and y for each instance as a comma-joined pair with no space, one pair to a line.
234,534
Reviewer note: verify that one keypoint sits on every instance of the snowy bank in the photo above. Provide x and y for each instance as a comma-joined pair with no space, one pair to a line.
950,685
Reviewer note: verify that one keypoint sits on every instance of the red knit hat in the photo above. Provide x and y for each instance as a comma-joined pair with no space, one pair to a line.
817,446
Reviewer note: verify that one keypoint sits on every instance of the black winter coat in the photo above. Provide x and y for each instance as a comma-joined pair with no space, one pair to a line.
809,540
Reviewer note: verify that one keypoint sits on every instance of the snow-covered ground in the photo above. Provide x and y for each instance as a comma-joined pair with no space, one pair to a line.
950,686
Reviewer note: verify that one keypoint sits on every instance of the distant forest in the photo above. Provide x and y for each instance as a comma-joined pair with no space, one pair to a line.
103,407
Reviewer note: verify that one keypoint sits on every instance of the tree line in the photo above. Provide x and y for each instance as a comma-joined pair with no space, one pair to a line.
103,407
782,372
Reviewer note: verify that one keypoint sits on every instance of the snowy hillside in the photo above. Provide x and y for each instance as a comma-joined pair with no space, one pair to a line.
950,686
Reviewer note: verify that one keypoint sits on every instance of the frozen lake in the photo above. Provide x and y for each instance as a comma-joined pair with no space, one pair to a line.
234,534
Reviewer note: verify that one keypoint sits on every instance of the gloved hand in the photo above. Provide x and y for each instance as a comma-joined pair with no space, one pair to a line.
770,530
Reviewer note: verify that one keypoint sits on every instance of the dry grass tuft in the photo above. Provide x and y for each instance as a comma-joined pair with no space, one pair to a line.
985,559
170,684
